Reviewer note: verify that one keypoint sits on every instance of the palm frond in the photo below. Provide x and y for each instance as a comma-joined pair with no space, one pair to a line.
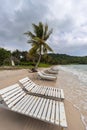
33,50
29,34
48,34
46,46
45,30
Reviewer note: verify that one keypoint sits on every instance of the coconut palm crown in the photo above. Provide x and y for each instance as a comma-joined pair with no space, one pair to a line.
38,40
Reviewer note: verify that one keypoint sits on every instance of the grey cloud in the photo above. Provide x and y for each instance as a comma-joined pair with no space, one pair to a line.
16,17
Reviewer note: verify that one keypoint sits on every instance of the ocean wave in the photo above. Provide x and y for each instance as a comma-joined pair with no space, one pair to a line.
81,74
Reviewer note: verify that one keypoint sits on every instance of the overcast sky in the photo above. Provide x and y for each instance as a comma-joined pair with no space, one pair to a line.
67,18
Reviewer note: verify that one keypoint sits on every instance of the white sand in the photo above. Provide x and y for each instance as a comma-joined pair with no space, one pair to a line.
13,121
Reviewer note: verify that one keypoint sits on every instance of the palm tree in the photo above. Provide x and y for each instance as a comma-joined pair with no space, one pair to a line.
38,40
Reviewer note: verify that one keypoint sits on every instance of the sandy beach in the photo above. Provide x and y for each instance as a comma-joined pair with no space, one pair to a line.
13,121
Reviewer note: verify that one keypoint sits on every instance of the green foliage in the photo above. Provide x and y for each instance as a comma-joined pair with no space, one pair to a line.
66,59
30,60
44,65
16,54
4,54
26,63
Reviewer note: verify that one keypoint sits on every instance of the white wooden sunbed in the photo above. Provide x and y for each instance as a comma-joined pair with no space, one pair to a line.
46,77
48,92
47,110
48,74
52,71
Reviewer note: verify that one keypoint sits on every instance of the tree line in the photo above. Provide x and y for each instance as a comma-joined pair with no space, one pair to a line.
24,58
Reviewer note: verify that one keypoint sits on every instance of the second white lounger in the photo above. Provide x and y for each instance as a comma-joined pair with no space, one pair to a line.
48,92
46,77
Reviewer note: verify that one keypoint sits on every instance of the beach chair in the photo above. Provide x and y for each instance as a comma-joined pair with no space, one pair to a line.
55,68
48,74
48,92
52,71
46,77
13,98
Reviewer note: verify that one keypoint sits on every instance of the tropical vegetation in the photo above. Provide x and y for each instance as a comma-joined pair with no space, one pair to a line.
22,58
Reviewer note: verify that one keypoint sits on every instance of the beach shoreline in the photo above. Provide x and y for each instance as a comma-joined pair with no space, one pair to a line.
9,77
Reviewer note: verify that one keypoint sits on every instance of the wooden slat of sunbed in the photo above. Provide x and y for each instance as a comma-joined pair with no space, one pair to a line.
57,110
27,84
16,100
43,91
35,107
49,110
2,91
41,109
28,104
24,80
62,94
22,109
32,104
45,110
53,112
11,92
29,87
11,95
63,122
47,91
39,89
54,93
20,103
38,108
34,89
51,92
58,93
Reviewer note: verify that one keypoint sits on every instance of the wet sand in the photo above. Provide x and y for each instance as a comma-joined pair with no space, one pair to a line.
13,121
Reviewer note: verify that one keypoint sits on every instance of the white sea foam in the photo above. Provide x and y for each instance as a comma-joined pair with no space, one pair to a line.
77,91
79,70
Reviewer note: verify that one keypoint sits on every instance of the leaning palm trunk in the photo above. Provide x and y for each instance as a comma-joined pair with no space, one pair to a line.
38,59
38,62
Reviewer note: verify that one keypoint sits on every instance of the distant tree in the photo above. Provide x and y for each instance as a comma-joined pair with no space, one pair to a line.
16,54
38,40
4,54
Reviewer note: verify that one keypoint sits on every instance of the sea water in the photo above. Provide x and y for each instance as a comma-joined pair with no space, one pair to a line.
77,93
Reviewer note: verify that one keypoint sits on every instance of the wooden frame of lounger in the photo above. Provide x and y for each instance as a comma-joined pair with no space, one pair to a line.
44,91
46,77
16,100
49,74
52,71
54,68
